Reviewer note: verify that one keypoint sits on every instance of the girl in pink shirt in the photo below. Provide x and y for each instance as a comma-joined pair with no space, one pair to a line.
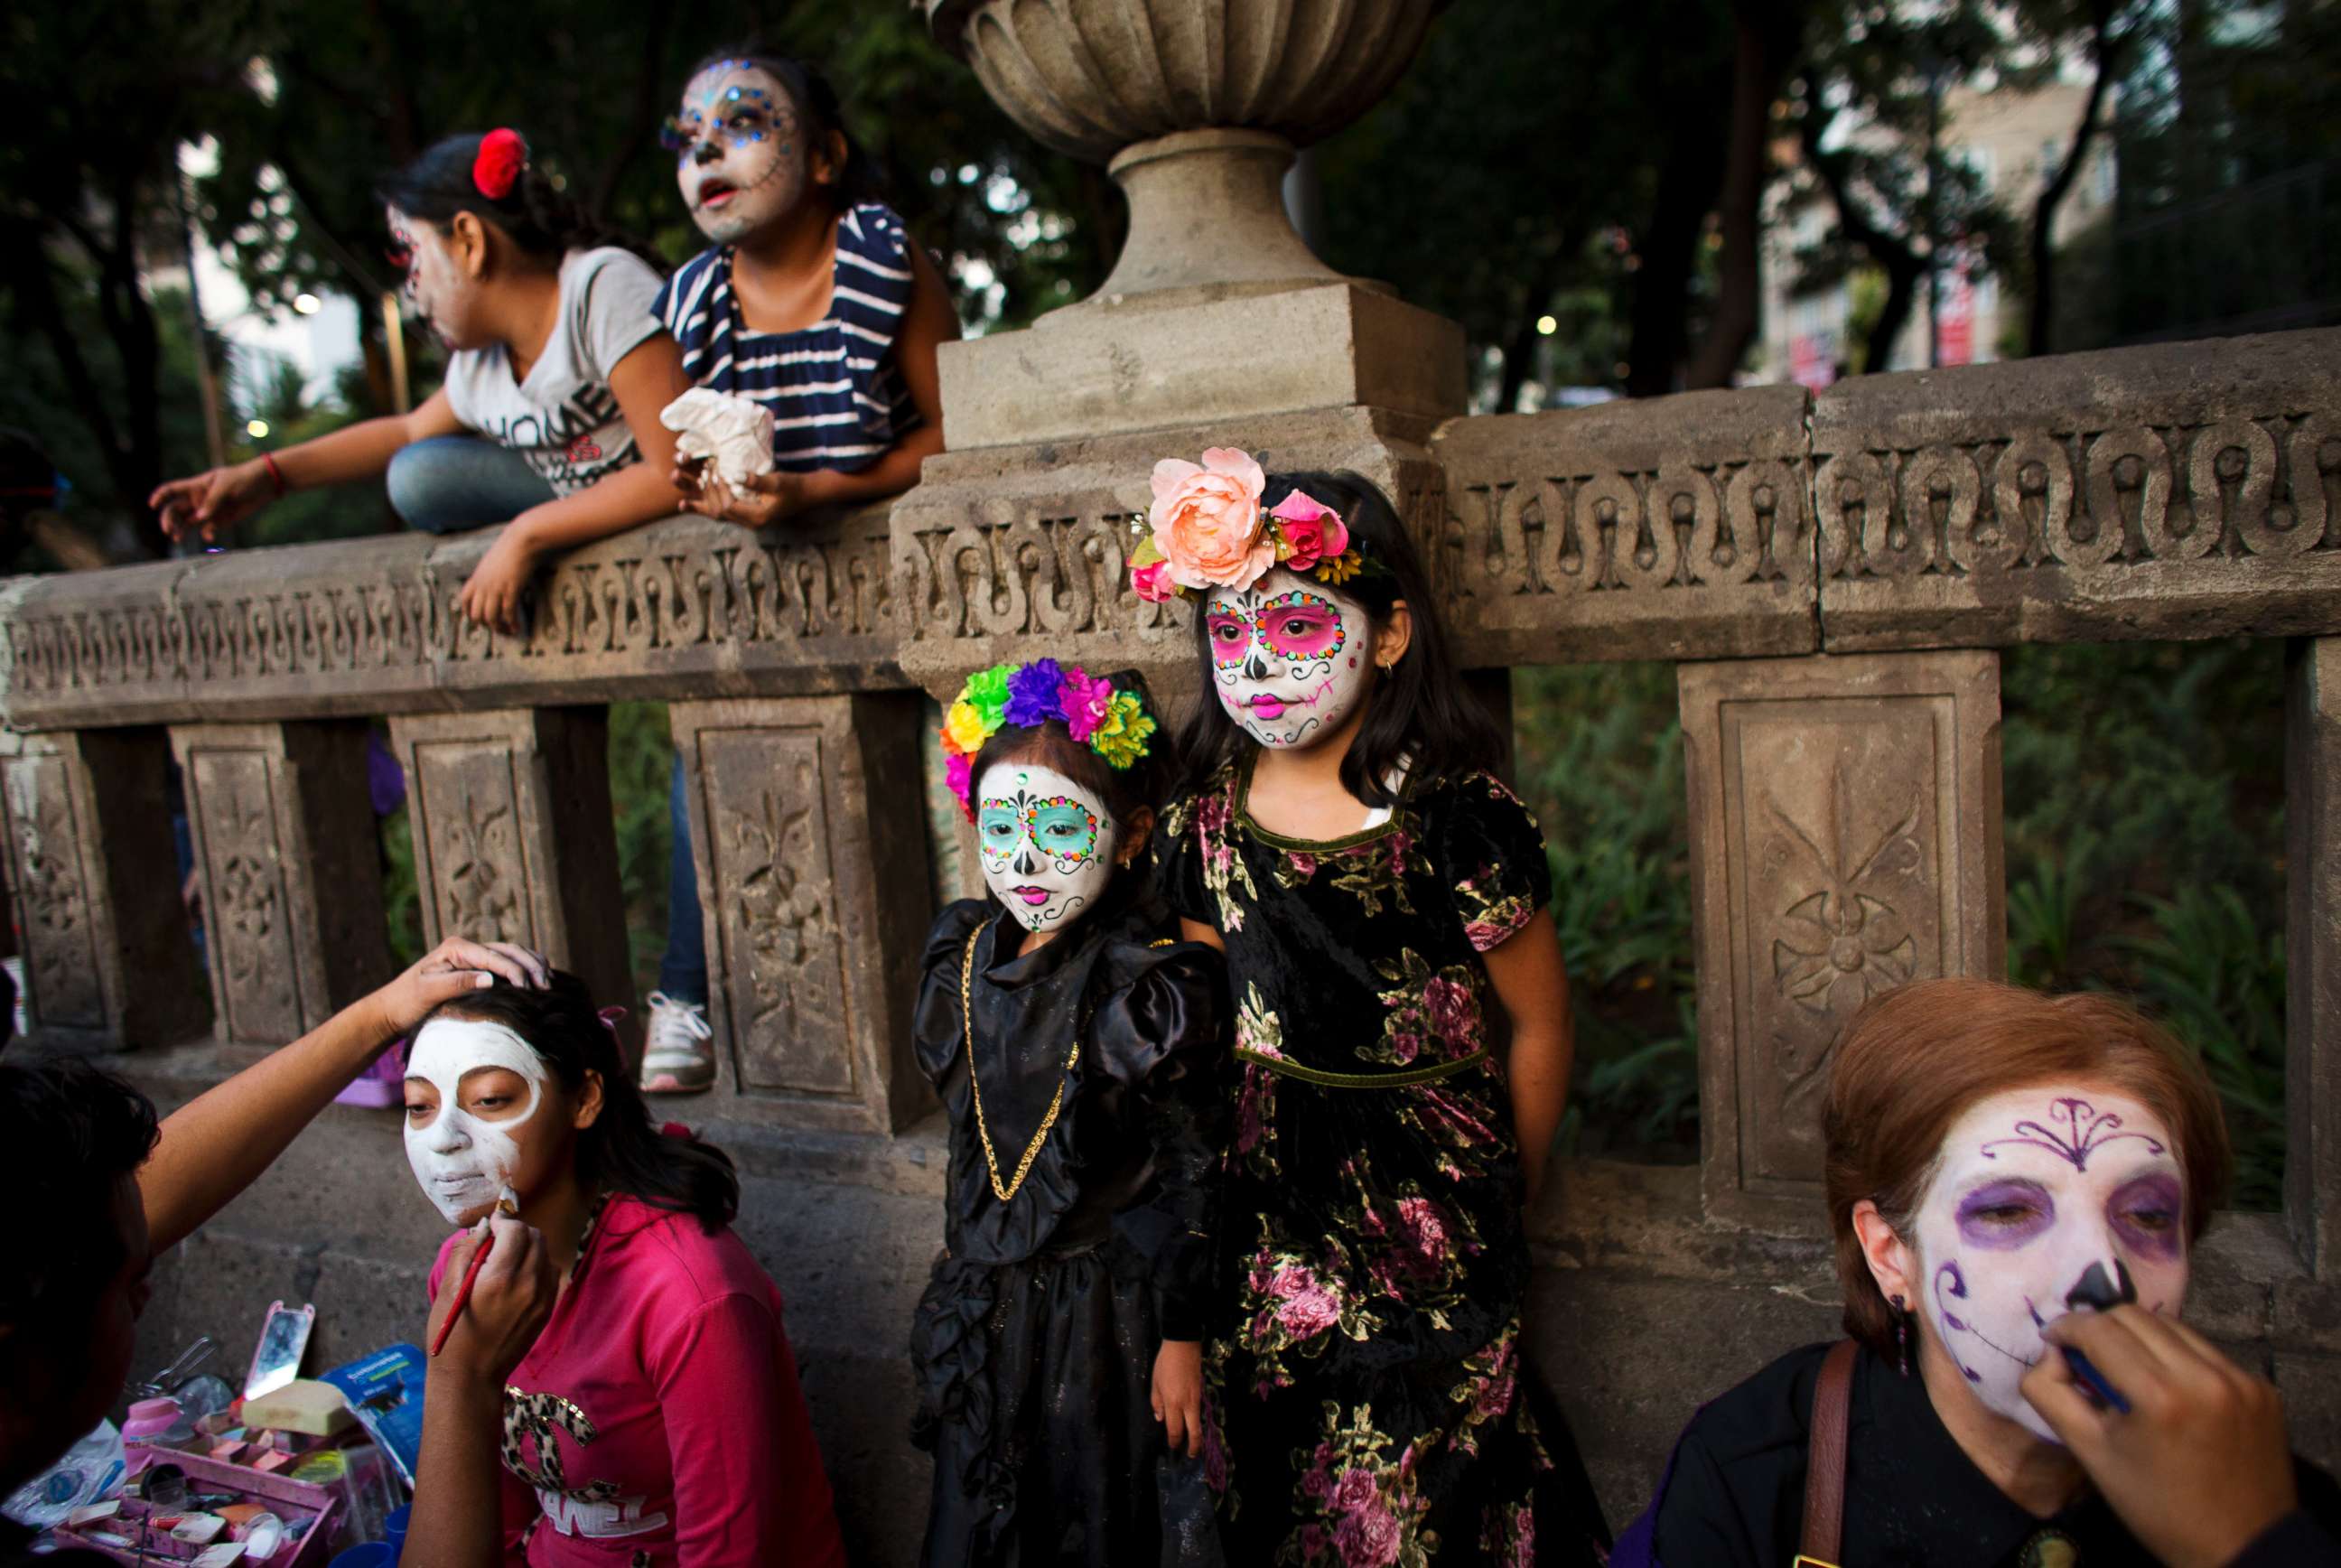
655,1417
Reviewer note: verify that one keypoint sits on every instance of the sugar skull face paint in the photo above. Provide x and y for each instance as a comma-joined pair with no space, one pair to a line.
470,1087
435,285
2031,1188
740,158
1046,844
1288,655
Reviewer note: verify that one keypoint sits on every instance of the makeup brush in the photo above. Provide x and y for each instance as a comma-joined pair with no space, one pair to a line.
2096,1292
507,1203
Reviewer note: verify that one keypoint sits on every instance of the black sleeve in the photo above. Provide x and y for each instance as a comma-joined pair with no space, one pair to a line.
935,1023
1698,1520
1171,1025
1489,851
2294,1541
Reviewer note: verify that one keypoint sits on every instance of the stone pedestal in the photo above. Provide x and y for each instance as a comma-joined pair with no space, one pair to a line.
2312,818
291,866
513,836
808,830
1845,838
92,885
1139,362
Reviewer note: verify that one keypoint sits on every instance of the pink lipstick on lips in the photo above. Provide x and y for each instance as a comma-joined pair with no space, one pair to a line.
1267,708
1035,896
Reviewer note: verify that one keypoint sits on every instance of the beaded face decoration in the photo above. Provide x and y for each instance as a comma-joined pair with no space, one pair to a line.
739,161
1045,842
1287,657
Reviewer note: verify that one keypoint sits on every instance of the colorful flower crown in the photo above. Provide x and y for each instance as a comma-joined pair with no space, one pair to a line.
1112,723
1206,529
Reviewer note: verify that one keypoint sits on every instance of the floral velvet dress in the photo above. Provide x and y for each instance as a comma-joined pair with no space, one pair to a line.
1033,1347
1368,1404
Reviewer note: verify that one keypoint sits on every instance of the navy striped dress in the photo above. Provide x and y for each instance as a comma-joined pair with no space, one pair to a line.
835,391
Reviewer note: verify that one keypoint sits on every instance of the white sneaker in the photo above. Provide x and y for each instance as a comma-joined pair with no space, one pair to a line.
679,1056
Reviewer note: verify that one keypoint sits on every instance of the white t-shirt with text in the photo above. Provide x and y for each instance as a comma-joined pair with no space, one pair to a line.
563,419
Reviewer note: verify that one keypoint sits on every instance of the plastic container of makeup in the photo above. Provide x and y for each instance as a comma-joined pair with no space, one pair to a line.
306,1516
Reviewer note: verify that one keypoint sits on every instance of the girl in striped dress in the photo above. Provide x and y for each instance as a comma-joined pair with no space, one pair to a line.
811,300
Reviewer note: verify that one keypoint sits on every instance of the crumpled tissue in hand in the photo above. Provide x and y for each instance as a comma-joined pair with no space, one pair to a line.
734,432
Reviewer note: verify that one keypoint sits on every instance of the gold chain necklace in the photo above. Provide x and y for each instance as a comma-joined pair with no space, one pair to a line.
975,1084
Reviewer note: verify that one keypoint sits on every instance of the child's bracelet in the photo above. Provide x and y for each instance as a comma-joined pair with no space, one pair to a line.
273,472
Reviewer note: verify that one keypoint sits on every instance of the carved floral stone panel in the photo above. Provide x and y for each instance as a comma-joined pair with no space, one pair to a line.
54,919
775,889
809,828
479,861
232,804
1845,839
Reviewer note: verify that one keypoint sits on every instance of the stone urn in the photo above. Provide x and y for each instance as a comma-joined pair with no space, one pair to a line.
1196,109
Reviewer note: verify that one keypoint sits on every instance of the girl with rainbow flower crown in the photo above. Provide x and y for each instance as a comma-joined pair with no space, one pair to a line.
1402,1032
1077,1047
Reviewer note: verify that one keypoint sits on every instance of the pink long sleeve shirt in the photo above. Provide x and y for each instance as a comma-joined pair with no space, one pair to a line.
657,1422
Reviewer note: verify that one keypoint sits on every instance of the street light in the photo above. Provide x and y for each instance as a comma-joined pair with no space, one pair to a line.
308,304
1547,325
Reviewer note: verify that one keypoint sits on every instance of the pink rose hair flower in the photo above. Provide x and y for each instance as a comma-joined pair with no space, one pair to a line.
1312,531
1207,520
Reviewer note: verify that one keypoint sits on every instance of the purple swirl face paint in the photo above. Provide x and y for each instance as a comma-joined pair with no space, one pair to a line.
2030,1188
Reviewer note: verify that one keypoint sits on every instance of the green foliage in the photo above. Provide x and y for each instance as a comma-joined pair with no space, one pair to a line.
641,750
2212,971
1600,762
402,902
2145,848
2145,831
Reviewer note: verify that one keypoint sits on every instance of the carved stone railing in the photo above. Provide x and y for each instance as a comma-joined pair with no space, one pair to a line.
255,671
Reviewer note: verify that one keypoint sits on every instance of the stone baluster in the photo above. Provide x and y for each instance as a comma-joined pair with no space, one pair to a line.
514,840
808,829
291,867
2312,821
92,881
1845,838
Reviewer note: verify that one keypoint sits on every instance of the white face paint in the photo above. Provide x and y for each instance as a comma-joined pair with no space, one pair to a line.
2031,1188
1289,656
741,157
436,287
464,1160
1046,844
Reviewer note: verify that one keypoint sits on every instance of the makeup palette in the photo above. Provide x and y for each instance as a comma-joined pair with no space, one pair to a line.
196,1510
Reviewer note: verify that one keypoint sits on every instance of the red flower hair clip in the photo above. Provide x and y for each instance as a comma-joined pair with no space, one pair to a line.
496,167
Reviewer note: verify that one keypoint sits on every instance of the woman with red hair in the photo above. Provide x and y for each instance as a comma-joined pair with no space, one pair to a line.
2016,1184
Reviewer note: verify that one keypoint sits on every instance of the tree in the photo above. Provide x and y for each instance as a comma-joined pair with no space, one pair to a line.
103,97
2107,29
1869,126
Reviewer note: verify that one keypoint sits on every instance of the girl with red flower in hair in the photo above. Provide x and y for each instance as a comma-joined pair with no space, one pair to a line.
548,417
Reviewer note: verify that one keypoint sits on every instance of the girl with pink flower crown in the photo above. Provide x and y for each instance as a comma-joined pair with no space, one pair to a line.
1402,1032
1078,1046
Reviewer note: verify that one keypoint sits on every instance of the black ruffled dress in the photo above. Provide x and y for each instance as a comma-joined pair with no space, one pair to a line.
1033,1347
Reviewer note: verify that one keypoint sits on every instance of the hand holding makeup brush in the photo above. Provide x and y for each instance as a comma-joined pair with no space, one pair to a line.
2197,1465
484,1335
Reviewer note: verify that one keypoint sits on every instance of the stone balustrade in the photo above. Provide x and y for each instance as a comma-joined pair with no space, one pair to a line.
1833,576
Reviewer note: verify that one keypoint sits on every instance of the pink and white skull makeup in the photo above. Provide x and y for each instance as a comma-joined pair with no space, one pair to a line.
435,284
740,156
1046,844
2030,1188
463,1159
1289,656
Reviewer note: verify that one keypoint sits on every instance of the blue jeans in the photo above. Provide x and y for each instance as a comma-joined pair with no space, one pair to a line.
450,482
682,973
